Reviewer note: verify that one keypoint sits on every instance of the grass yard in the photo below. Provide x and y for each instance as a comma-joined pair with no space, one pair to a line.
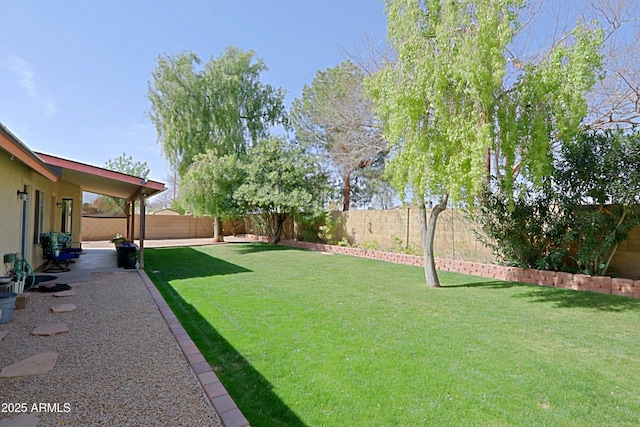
305,338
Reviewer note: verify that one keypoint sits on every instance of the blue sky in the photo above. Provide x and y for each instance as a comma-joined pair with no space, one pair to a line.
74,73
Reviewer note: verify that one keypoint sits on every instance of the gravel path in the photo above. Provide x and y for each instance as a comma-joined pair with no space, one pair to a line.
118,366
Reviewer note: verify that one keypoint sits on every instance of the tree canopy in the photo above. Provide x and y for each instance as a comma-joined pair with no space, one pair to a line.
209,184
281,180
123,164
126,164
448,109
335,116
222,106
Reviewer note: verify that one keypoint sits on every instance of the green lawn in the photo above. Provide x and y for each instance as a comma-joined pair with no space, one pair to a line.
305,338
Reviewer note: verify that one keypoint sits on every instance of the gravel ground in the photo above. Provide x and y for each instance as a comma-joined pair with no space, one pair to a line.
118,366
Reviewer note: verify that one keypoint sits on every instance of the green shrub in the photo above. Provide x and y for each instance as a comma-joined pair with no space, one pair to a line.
527,231
328,230
370,245
398,246
344,242
577,219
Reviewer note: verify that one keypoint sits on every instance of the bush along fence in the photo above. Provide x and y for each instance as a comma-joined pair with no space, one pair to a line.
578,282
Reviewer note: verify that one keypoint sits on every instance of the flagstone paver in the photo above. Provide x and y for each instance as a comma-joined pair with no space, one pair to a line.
63,308
49,330
68,293
34,365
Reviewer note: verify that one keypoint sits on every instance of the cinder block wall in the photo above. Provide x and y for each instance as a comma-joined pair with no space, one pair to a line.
454,236
157,227
102,228
627,257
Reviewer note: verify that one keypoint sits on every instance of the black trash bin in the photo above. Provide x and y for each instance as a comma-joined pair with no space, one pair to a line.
127,255
130,258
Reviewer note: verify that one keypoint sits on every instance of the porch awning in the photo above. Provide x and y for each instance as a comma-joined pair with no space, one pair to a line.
99,180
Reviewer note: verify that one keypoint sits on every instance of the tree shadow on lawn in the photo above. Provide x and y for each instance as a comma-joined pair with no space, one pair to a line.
252,392
561,298
566,298
185,262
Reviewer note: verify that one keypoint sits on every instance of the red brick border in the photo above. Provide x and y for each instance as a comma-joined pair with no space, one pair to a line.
225,407
579,282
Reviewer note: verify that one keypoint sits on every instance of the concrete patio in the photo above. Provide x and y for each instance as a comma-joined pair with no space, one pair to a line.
122,336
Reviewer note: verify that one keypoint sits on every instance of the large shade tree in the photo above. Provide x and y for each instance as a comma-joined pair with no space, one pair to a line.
447,106
221,106
335,116
209,185
281,180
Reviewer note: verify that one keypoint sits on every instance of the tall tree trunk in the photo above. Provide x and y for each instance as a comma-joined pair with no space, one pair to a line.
427,235
218,235
280,219
346,191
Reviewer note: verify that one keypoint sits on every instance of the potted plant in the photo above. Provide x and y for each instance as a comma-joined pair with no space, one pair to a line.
119,239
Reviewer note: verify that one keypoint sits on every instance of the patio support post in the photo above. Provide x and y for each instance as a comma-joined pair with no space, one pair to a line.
143,225
132,231
128,213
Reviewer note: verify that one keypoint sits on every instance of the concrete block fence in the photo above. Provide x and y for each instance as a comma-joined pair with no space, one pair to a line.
454,238
578,282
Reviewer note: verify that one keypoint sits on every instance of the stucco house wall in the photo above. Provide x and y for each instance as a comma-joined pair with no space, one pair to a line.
15,176
12,176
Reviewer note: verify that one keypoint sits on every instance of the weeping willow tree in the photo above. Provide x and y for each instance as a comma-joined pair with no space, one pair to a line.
209,184
221,107
451,114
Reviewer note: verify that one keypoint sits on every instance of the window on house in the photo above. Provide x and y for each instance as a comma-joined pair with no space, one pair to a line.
38,222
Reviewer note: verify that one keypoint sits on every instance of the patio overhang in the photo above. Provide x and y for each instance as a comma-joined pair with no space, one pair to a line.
103,181
99,180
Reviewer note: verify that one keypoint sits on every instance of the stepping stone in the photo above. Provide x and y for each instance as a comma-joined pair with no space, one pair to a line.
3,334
68,293
22,420
63,308
49,330
35,365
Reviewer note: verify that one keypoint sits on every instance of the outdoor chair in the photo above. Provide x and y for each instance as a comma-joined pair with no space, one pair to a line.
52,254
66,245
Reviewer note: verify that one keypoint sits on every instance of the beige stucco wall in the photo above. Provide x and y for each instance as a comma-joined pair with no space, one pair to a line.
15,175
156,227
626,261
11,176
454,238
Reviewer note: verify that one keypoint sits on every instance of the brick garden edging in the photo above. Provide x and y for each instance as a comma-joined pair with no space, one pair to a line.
223,404
578,282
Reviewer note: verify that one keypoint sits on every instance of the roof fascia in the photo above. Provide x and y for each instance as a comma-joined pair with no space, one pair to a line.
19,150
